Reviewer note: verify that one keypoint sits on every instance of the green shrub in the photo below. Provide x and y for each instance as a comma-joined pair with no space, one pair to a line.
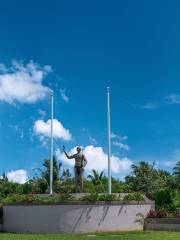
93,197
107,197
138,197
13,198
163,198
32,198
176,198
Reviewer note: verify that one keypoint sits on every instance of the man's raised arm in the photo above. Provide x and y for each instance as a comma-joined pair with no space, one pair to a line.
69,157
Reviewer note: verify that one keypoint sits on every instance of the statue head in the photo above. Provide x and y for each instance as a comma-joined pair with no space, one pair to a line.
78,149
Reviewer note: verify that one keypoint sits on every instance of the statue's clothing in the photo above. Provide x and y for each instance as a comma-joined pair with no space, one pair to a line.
79,175
80,163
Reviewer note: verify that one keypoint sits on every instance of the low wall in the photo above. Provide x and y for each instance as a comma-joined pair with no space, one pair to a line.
162,224
72,218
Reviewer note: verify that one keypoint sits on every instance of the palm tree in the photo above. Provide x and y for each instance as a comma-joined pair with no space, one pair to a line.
66,174
143,176
42,175
46,171
96,178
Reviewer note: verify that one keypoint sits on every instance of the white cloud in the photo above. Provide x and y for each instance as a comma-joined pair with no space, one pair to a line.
3,68
98,160
173,99
43,129
23,83
150,106
119,137
18,176
170,161
42,113
121,145
92,140
18,129
64,95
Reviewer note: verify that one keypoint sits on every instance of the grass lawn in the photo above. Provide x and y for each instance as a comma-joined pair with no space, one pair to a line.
99,236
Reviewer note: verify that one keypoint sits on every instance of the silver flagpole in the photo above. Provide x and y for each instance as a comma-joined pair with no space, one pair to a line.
51,150
109,140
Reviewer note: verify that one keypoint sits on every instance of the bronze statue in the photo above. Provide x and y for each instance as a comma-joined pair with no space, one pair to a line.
80,163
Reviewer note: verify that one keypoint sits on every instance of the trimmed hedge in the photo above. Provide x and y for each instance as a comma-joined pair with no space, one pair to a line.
58,198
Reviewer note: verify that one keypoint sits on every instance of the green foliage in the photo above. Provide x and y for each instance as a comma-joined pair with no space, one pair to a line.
163,198
7,187
31,198
66,186
175,195
176,173
46,171
88,186
146,178
161,185
90,197
40,183
119,186
96,178
137,197
93,197
14,198
107,197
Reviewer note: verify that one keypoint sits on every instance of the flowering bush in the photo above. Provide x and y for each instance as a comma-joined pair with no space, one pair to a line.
157,214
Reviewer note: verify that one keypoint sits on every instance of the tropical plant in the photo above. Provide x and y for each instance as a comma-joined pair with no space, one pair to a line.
162,198
137,197
93,197
40,183
146,178
176,173
46,171
66,174
96,178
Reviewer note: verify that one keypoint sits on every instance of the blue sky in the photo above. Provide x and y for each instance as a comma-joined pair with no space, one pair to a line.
131,46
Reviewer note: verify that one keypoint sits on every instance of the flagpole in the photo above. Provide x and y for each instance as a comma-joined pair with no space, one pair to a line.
109,140
51,145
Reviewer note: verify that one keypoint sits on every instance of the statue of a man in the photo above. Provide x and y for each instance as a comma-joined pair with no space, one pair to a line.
80,163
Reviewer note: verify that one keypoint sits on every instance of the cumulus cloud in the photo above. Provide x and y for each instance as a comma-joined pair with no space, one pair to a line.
43,129
17,176
64,95
121,145
98,160
23,83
